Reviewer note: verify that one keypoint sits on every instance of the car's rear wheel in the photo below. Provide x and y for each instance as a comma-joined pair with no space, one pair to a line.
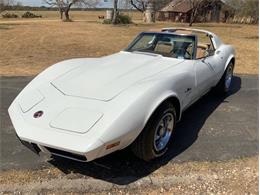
223,87
154,139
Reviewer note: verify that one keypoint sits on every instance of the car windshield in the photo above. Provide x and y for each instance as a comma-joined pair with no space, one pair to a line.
168,45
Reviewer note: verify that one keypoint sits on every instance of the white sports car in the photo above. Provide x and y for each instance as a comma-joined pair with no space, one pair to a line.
86,108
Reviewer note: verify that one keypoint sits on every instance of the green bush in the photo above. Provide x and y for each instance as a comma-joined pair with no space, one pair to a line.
107,21
30,15
124,19
121,19
9,15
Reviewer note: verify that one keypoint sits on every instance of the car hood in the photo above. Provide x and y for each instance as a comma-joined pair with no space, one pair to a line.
104,78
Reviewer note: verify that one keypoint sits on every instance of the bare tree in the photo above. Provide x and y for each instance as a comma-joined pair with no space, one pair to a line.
251,9
139,5
245,8
144,6
148,8
61,5
5,4
197,7
64,6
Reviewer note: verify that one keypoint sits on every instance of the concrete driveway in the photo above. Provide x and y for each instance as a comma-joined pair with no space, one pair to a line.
213,129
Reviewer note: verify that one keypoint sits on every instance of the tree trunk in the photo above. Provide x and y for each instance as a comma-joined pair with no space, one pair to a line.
191,22
193,16
66,12
61,14
67,16
115,12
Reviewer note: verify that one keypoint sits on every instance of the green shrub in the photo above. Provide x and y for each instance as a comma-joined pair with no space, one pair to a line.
30,15
121,19
124,19
9,15
107,21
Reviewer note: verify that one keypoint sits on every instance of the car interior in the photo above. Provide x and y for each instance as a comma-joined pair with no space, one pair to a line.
204,43
176,45
167,45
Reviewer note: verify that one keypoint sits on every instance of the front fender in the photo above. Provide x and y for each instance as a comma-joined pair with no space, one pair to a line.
130,118
162,98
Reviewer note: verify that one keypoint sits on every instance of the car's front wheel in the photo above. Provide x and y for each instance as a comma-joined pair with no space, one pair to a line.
154,139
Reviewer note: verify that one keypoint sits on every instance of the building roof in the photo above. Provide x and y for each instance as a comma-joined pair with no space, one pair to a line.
182,6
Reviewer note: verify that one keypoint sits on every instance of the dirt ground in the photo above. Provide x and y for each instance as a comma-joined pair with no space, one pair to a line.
231,177
28,46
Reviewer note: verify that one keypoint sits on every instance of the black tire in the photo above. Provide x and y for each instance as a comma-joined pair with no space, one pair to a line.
222,88
144,145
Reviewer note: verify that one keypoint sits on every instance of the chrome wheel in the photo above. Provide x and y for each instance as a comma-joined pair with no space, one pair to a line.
163,132
228,78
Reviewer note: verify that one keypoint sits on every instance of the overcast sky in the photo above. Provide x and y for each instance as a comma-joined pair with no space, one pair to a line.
104,3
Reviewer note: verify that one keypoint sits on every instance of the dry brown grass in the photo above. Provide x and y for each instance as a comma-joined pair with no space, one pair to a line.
30,45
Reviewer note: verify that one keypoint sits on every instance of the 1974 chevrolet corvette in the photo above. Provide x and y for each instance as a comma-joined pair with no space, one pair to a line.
84,109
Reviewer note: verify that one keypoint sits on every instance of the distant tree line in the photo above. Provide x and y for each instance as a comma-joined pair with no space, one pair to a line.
6,5
245,8
64,6
240,8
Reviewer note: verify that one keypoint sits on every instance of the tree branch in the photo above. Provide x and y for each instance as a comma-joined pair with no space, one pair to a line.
137,7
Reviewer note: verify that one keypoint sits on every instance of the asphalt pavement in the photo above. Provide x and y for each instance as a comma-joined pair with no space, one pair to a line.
213,129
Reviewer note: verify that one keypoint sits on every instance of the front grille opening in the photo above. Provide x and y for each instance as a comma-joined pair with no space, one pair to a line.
66,154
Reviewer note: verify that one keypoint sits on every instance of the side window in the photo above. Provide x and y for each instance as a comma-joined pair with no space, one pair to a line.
205,46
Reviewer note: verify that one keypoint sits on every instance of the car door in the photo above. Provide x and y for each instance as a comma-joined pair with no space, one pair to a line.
187,89
204,76
206,65
208,72
216,61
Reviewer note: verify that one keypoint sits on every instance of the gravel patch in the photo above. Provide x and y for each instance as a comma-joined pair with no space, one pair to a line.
230,177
